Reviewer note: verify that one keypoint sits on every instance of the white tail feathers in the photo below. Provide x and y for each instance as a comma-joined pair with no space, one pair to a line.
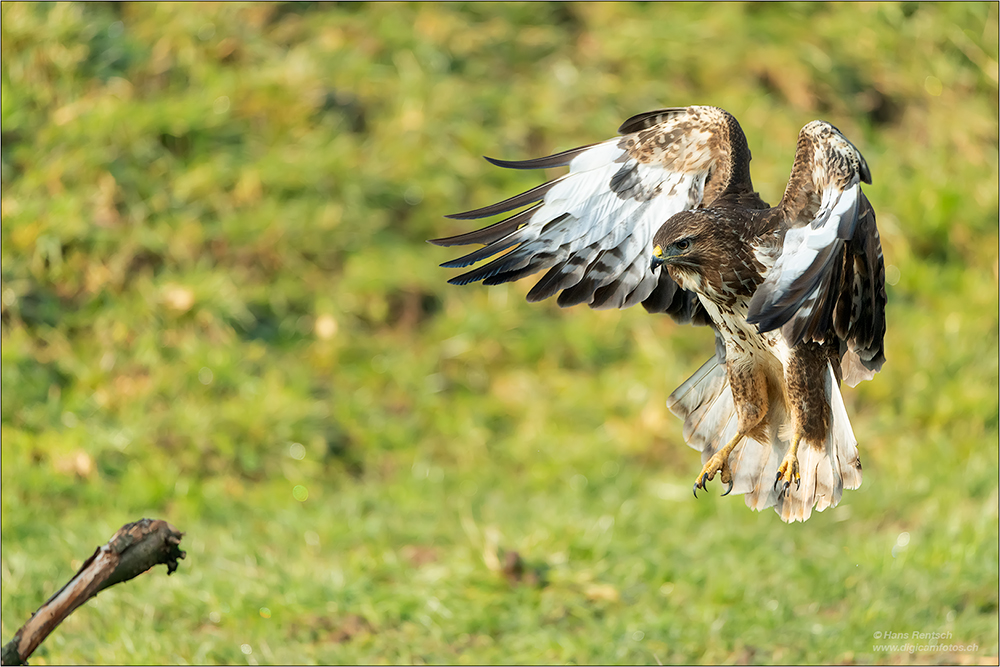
702,406
705,403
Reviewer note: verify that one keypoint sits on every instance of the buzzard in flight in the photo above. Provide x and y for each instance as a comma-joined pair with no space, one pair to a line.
666,216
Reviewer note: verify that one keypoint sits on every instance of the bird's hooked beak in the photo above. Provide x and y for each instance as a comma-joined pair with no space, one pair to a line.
672,255
658,258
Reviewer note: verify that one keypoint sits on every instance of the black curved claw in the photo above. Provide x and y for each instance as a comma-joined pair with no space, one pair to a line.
777,478
700,484
729,490
798,483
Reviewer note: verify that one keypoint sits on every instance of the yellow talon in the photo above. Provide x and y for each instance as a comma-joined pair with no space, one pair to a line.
788,471
719,463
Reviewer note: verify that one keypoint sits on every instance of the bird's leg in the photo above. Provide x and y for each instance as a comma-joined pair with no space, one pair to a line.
808,406
749,386
788,471
719,463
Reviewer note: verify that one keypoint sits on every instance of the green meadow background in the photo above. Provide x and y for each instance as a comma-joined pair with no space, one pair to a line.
219,309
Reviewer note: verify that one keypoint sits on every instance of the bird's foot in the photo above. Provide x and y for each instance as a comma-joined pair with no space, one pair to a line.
719,463
788,471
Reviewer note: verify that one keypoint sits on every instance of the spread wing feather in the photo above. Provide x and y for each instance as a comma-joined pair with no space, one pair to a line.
494,232
830,275
592,228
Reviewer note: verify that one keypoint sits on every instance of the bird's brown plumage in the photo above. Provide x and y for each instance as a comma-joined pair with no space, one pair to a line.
795,293
784,266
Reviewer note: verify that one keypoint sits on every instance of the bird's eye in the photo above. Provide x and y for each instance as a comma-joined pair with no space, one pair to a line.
683,244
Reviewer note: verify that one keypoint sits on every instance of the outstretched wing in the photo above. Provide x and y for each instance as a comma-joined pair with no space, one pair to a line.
592,228
830,275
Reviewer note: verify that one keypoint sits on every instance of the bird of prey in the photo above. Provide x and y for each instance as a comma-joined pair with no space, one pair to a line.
666,215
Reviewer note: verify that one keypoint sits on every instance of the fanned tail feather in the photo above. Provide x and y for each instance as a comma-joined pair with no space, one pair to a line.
705,403
758,464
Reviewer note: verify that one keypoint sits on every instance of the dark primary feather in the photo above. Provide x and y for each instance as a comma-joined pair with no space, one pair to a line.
517,201
494,232
481,254
557,160
506,266
867,322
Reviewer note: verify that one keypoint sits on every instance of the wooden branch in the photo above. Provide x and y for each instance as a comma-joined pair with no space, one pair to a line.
135,548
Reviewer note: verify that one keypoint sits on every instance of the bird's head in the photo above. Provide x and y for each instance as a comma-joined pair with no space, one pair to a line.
682,245
699,250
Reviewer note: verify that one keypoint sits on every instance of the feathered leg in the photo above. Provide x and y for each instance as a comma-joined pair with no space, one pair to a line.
828,462
749,386
805,378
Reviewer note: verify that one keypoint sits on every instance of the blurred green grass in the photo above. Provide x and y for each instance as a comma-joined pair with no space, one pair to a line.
218,309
